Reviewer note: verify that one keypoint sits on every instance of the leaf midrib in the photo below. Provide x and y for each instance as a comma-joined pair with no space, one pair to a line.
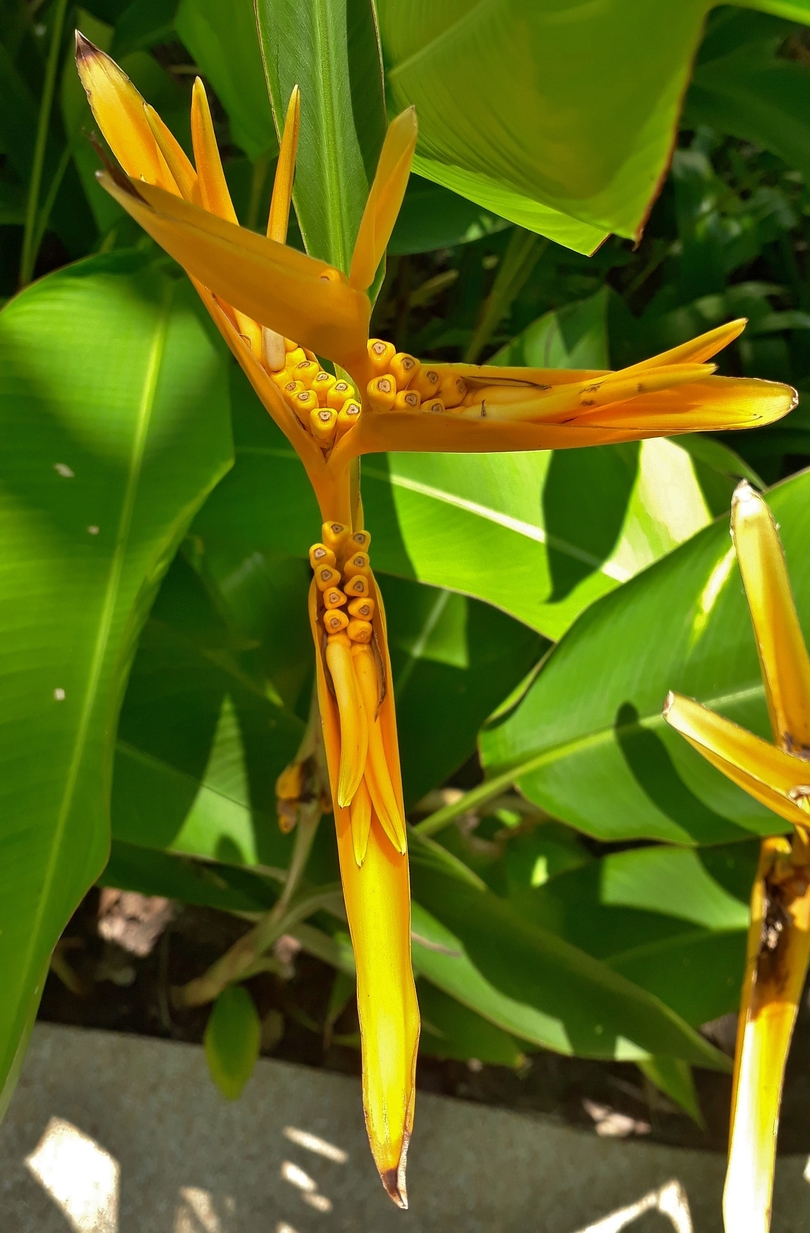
449,33
553,753
145,409
335,188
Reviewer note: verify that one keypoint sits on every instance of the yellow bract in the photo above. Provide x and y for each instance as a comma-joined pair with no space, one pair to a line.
778,775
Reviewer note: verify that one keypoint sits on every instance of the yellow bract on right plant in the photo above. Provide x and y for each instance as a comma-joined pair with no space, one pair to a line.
778,775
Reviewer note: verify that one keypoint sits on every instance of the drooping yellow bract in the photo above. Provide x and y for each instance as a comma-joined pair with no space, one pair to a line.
778,775
279,310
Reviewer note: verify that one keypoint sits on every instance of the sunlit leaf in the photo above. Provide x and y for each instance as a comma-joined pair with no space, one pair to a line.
113,435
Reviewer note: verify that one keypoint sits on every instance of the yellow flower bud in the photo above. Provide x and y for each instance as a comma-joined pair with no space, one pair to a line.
363,609
357,563
319,554
348,416
359,631
323,422
326,577
427,382
334,621
339,393
380,353
381,393
404,368
334,535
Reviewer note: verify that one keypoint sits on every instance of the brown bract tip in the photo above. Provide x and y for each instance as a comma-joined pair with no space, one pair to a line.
394,1179
84,48
114,173
668,704
395,1191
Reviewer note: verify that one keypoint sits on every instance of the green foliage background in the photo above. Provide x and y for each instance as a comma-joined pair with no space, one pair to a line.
155,663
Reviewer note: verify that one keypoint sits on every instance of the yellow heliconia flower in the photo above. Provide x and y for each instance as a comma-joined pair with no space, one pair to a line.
279,310
778,775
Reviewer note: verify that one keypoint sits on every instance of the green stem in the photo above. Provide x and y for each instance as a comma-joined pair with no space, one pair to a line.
30,246
522,254
241,959
48,203
466,804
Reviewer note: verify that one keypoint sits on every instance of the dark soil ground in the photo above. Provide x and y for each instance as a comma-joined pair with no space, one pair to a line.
114,989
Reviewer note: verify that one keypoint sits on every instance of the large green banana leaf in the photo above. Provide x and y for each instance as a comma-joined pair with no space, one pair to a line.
115,424
556,114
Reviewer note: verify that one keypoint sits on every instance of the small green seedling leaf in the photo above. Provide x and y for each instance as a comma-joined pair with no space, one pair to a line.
232,1040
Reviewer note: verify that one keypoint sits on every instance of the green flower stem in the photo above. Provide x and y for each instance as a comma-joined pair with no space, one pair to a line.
465,804
30,245
517,264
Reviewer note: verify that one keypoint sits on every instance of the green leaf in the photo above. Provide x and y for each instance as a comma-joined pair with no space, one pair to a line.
473,522
698,974
142,24
440,956
749,91
674,1078
672,920
329,48
224,42
453,661
451,1030
19,112
232,1040
572,151
516,207
433,217
200,744
588,1009
588,743
209,884
574,336
589,136
113,435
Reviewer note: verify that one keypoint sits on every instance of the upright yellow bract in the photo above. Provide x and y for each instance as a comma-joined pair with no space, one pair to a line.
778,775
279,311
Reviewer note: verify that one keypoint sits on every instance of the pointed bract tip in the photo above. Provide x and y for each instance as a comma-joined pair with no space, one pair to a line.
84,48
669,702
394,1179
407,120
743,492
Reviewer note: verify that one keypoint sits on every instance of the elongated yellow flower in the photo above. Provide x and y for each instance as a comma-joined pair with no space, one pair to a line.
279,311
778,775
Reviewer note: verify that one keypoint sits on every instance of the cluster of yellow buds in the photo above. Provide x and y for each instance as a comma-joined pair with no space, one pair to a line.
348,610
403,384
326,406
